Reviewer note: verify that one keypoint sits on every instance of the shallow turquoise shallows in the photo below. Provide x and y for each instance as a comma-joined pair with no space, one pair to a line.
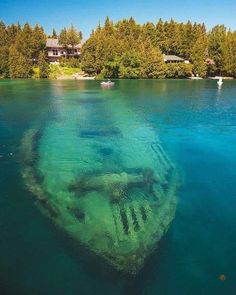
89,176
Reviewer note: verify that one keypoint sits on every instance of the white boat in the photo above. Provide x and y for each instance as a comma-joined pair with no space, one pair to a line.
108,83
220,82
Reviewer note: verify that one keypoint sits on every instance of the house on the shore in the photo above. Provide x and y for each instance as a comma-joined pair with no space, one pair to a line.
55,51
174,59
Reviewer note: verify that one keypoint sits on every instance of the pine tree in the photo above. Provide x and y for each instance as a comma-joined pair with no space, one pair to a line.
88,53
3,34
70,37
4,62
160,36
24,41
112,69
43,65
62,38
108,27
12,32
173,37
4,52
130,65
216,40
198,56
73,37
187,40
229,54
54,34
152,62
20,65
149,32
38,41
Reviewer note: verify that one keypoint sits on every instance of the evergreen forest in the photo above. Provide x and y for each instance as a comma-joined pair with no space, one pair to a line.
124,49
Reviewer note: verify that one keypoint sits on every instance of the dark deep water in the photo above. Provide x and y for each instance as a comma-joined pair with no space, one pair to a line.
196,123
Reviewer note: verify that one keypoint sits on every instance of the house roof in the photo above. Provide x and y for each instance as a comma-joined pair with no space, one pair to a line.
172,58
53,42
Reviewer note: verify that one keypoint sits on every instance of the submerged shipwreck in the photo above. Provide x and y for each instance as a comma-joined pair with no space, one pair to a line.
104,179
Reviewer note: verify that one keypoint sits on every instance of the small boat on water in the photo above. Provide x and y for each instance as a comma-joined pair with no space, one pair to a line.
220,81
108,83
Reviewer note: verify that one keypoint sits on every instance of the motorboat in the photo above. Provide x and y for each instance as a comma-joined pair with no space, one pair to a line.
107,83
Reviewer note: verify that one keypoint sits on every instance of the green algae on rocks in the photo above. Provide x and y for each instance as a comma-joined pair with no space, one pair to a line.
107,182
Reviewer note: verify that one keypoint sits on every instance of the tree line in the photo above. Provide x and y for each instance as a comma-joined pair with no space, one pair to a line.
23,48
124,49
20,48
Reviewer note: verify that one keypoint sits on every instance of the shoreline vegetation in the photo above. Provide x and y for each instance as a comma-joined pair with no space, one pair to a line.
120,50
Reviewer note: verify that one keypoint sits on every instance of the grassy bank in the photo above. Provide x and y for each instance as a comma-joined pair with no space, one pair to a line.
58,71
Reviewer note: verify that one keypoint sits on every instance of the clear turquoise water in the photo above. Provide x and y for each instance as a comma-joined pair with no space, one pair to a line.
196,123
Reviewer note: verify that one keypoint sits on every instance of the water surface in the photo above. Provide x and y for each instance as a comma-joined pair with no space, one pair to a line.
196,124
